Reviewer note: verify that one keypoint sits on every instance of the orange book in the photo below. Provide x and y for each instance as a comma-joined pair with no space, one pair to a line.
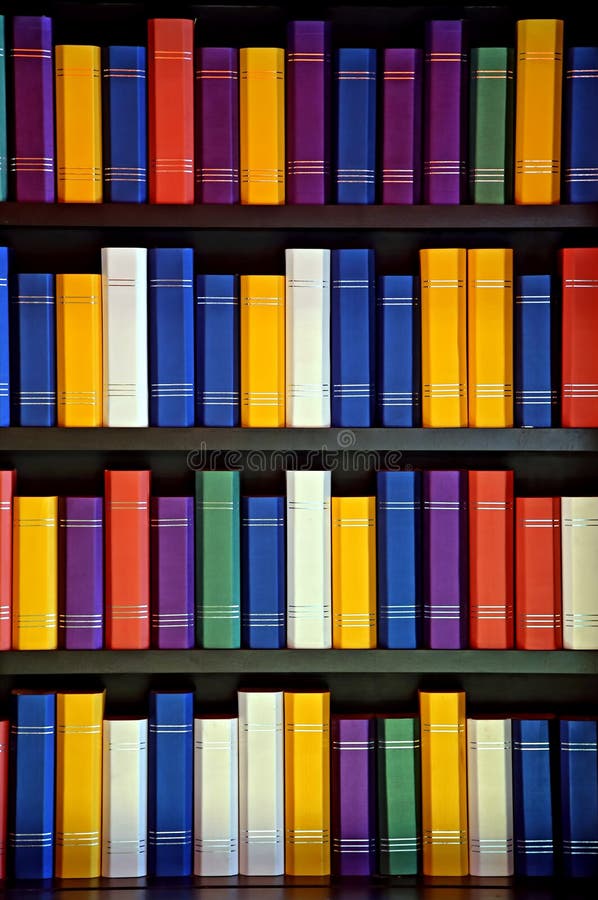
262,351
7,490
538,611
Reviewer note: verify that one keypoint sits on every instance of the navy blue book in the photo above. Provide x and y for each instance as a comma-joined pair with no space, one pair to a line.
532,798
263,572
356,126
352,330
581,125
170,784
125,124
217,351
579,797
33,351
32,798
4,340
535,383
171,337
398,367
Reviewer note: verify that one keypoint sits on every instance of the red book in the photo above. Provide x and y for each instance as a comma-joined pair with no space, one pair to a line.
579,268
538,573
7,490
4,726
491,560
127,560
170,104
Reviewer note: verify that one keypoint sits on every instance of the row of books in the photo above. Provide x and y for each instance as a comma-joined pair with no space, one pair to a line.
221,131
443,559
286,788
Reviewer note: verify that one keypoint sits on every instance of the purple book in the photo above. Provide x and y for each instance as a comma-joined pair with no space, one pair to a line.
445,552
217,125
308,80
81,619
353,808
33,91
401,126
444,112
172,568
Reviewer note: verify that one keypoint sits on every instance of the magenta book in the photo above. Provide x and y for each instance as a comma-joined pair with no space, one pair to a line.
401,126
81,569
172,573
217,125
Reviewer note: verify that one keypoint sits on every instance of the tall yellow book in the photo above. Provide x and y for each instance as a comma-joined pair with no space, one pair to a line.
79,350
35,573
307,783
78,785
261,100
490,338
444,783
262,351
444,337
354,572
538,111
78,124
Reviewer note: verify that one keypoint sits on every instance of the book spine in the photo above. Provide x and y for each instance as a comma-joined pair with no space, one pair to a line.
532,798
4,739
8,479
124,798
172,573
579,546
491,125
581,129
3,116
579,797
217,351
33,351
356,126
353,809
4,340
35,573
538,620
262,351
217,125
535,385
402,126
354,573
78,124
490,797
398,356
125,124
216,797
263,572
262,125
579,267
81,615
79,350
398,791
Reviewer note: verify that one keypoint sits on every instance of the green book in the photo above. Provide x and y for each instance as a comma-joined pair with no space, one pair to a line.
491,125
399,811
217,560
3,138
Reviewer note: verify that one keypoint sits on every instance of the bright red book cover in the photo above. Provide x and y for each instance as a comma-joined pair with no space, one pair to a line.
538,615
579,268
7,490
4,728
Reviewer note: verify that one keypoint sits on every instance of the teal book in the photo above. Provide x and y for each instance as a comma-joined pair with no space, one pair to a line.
399,811
217,560
491,125
3,136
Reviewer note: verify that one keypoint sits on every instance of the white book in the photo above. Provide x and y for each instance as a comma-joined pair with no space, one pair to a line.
309,578
579,546
216,797
308,338
490,797
261,783
124,798
124,336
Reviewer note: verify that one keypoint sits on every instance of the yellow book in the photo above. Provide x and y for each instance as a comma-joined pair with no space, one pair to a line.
490,338
444,338
35,573
354,572
78,124
444,783
538,111
79,350
262,351
307,783
262,125
78,785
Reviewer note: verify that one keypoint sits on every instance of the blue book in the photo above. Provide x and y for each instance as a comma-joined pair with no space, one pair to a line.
581,125
217,351
171,338
125,124
356,126
4,340
170,784
32,762
535,383
532,797
33,351
263,569
579,797
398,367
398,533
3,133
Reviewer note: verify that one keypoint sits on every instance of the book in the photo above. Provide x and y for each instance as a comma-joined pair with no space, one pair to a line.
33,162
79,350
217,342
444,338
355,125
261,783
170,784
3,122
4,340
579,562
534,368
8,478
579,269
491,112
263,571
532,797
262,125
262,351
33,351
398,352
307,782
217,125
125,124
81,573
307,305
444,782
580,89
171,337
127,568
398,785
308,72
170,110
217,559
124,798
354,572
35,573
4,739
538,111
401,126
216,797
78,124
309,568
353,801
490,797
352,332
579,797
172,572
124,343
538,620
